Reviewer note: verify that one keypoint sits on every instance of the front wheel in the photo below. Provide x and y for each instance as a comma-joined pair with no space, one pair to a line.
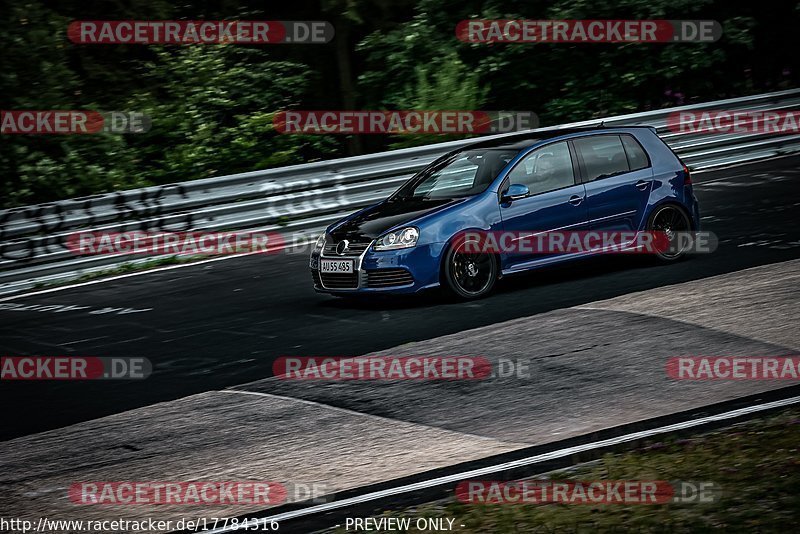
469,275
674,223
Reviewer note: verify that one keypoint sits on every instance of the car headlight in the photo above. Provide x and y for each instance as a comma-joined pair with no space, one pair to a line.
320,243
403,238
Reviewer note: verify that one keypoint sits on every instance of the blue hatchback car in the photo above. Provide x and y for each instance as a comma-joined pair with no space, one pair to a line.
622,179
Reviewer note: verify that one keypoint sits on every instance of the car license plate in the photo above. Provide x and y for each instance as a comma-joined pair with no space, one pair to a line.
336,266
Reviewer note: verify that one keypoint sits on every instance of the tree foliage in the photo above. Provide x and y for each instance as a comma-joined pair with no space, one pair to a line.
212,105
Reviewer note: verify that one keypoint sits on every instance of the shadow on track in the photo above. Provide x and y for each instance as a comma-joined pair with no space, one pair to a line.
582,269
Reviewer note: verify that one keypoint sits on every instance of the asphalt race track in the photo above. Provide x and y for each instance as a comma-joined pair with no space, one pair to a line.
214,325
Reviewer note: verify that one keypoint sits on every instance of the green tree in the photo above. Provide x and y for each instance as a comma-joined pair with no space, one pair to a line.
446,84
212,109
564,82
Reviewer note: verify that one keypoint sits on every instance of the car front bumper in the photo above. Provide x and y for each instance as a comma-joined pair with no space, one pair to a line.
402,271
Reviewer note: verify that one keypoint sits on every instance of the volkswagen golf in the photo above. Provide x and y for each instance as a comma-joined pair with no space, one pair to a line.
622,180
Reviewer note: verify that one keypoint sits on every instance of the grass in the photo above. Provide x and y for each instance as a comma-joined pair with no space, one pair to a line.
120,269
130,267
754,464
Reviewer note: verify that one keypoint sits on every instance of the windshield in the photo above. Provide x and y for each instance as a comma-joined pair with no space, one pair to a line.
463,174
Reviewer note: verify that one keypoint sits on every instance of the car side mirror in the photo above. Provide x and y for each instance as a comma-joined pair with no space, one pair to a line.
515,192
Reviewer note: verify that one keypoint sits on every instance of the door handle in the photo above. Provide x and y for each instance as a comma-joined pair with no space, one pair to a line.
575,200
641,185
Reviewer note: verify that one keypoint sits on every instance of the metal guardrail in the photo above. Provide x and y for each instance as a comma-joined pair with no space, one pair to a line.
303,199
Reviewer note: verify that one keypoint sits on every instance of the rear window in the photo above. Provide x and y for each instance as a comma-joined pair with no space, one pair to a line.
602,156
637,157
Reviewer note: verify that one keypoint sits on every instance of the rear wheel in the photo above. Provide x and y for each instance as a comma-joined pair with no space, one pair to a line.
469,275
674,224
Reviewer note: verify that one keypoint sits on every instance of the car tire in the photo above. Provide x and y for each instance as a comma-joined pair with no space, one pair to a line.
468,276
669,218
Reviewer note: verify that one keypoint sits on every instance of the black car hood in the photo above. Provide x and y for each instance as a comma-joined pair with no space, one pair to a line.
375,220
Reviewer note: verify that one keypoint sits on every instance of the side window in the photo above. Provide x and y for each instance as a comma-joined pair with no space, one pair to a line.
545,169
602,155
637,157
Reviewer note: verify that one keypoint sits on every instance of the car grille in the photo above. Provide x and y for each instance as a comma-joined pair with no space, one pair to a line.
354,248
389,278
339,280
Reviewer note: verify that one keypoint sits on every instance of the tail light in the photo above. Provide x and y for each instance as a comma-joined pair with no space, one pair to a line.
687,178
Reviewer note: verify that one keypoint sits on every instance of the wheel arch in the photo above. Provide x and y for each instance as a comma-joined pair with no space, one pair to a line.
669,201
449,244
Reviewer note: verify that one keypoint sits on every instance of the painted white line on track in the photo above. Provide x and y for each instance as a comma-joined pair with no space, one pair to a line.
561,453
126,275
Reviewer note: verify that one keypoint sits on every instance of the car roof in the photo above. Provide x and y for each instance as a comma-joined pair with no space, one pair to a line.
527,139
